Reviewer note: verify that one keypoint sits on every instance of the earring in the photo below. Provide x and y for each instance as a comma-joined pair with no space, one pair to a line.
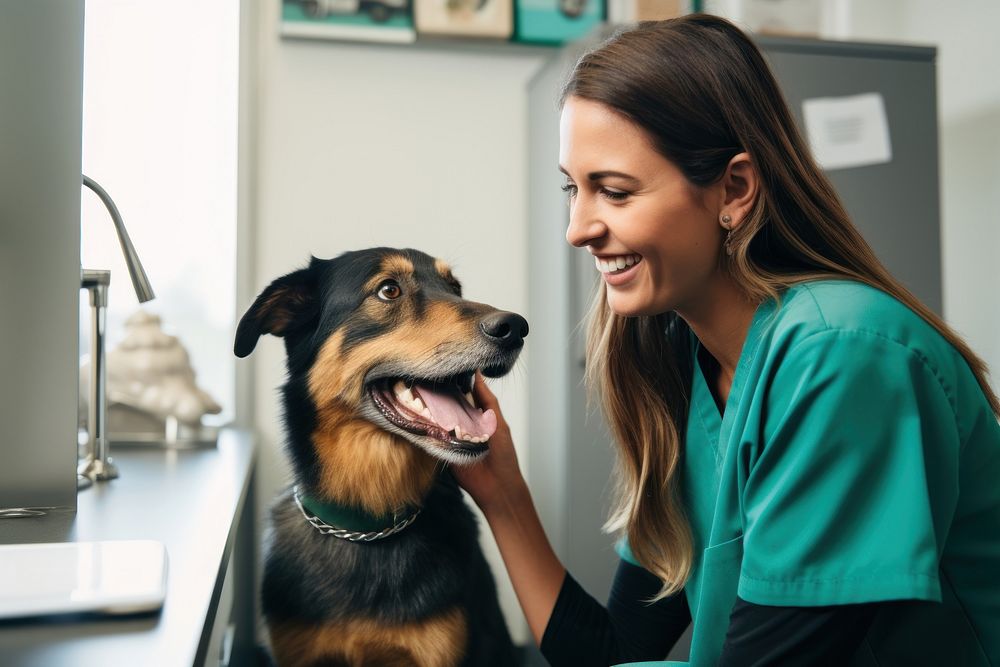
727,223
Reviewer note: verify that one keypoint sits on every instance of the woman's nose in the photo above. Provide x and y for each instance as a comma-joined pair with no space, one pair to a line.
584,226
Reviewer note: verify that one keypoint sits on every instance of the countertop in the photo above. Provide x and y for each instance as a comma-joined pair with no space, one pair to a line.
192,501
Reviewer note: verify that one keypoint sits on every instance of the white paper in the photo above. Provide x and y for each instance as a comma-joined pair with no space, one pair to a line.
848,131
109,576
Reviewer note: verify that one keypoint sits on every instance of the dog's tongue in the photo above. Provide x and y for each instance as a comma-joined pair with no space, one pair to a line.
449,409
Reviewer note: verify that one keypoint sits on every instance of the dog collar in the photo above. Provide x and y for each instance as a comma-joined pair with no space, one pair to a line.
350,523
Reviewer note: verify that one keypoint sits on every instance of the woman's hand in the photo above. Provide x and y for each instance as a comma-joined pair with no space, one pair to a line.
496,484
490,478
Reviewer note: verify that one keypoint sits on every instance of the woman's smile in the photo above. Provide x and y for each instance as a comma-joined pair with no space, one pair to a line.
617,270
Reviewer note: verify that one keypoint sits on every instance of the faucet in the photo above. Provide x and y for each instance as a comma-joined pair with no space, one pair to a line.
99,466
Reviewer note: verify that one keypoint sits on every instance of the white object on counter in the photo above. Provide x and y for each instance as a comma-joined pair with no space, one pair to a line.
109,577
150,373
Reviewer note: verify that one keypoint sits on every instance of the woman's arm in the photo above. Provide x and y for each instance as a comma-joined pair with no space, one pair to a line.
582,633
498,487
568,624
534,569
774,636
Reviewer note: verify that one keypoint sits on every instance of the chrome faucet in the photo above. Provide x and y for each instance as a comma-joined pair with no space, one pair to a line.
98,465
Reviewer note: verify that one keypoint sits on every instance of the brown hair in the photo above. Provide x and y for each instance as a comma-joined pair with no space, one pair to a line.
703,93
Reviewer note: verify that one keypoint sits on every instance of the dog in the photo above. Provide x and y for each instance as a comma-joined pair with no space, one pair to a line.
372,557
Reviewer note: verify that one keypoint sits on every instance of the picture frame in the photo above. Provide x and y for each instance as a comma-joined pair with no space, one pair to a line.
364,20
557,21
465,18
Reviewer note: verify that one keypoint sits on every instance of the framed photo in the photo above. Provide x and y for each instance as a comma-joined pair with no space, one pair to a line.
471,18
366,20
556,21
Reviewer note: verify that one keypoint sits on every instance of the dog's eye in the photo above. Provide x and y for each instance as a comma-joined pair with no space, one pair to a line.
389,290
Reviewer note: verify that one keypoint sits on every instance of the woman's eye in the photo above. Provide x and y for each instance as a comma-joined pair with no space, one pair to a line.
389,291
613,195
569,189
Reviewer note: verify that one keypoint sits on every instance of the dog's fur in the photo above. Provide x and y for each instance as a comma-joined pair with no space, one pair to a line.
424,596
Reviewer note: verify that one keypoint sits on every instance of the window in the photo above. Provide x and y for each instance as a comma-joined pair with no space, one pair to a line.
160,135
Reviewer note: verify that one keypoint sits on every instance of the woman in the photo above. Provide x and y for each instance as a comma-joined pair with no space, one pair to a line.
809,459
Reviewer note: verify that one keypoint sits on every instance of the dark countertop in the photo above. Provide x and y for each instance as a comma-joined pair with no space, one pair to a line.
191,500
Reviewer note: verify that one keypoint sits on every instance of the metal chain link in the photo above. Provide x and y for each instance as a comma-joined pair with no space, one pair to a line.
350,535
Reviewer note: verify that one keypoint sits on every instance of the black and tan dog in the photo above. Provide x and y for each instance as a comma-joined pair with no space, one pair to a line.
373,557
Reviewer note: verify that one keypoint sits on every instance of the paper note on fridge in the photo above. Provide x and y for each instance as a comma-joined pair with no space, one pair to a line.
848,131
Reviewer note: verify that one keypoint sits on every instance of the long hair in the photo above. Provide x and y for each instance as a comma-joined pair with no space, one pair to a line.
702,92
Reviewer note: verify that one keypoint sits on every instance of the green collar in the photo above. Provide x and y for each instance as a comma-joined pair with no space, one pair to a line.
359,524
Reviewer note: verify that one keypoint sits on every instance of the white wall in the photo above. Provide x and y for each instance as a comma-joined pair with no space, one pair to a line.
363,145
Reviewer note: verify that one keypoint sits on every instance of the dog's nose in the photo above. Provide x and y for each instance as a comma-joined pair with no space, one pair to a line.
508,329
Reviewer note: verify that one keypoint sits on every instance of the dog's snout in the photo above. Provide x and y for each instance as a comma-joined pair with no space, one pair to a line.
508,329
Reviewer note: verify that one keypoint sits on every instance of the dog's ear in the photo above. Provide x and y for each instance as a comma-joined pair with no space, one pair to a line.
287,304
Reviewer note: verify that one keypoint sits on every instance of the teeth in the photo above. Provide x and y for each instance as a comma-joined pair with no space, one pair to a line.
468,399
410,400
458,432
404,393
612,264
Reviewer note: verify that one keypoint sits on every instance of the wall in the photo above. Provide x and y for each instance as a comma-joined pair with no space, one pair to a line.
362,145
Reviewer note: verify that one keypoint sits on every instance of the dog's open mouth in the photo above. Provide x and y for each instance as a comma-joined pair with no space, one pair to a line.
440,409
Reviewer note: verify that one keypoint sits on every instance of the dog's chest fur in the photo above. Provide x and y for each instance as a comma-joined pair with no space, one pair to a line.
428,591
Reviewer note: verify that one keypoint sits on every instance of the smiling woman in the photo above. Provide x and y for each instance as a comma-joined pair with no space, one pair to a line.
801,442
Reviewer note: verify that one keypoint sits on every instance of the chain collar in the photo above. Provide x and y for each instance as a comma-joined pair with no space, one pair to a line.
350,535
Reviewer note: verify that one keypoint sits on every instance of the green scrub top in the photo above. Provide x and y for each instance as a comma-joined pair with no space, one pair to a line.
857,460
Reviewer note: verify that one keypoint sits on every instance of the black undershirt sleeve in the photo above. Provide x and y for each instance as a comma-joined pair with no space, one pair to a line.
582,633
760,636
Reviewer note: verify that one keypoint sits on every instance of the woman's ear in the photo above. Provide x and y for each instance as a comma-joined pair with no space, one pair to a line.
285,305
740,185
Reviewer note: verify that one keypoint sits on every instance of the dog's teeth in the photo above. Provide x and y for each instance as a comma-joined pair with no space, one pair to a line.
417,403
458,432
468,398
399,387
426,413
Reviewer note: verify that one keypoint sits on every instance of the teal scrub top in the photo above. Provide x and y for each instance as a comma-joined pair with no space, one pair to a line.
857,460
